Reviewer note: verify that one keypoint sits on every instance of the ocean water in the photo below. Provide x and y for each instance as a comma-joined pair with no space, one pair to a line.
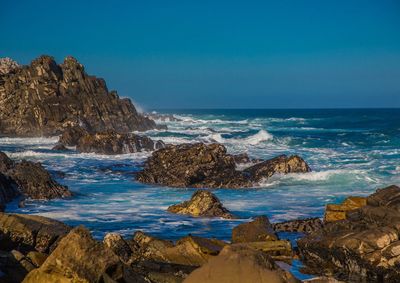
351,152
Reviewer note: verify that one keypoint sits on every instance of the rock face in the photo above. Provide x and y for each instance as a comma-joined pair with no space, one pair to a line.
240,264
364,247
202,203
209,166
111,142
79,258
281,164
27,178
7,65
30,232
43,98
308,225
335,212
260,229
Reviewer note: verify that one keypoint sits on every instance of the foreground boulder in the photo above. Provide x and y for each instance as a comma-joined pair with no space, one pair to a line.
260,229
30,232
79,258
111,142
44,98
202,203
240,264
363,247
27,178
308,225
209,166
335,212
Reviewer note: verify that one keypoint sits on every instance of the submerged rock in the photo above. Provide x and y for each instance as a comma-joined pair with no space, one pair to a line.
363,247
308,225
240,264
202,203
260,229
59,147
209,166
29,179
111,142
44,98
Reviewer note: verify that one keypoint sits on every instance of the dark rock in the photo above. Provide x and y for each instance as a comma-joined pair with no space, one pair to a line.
308,225
71,135
113,143
119,246
60,147
240,264
260,229
241,158
363,247
30,232
192,165
202,203
281,164
209,166
12,269
44,98
8,190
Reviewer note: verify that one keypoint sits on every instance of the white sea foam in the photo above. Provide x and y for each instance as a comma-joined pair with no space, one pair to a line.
255,139
28,141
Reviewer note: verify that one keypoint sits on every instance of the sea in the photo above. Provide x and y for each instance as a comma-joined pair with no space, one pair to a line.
350,151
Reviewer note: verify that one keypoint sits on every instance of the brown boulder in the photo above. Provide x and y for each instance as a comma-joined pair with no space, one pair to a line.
30,232
335,212
72,135
308,225
202,203
44,98
240,264
281,164
260,229
79,258
362,247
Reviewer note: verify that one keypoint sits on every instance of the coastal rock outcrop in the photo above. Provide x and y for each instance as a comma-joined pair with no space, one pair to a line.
111,142
29,179
240,264
308,225
79,258
260,229
363,247
7,65
44,98
210,166
335,212
202,203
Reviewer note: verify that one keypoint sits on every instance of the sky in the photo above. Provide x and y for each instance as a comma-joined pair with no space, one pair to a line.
220,54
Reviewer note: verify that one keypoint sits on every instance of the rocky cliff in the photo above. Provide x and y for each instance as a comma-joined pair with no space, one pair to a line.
44,98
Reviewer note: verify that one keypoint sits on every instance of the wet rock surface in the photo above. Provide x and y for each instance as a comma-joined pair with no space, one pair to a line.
210,166
202,203
29,179
44,98
363,247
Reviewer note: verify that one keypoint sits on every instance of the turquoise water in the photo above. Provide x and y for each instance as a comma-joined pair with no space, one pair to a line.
351,152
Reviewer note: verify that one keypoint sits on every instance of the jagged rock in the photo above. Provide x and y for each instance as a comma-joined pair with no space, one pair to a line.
209,166
44,98
60,147
202,203
190,250
335,212
71,135
36,258
260,229
241,158
281,164
7,65
240,264
307,225
119,246
111,142
12,270
79,258
8,190
30,232
363,247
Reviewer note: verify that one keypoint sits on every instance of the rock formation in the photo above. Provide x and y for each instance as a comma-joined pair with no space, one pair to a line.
202,203
260,229
240,264
308,225
43,98
335,212
7,65
27,178
209,166
363,247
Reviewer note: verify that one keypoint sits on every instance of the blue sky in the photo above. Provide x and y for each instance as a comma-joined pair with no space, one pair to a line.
220,54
